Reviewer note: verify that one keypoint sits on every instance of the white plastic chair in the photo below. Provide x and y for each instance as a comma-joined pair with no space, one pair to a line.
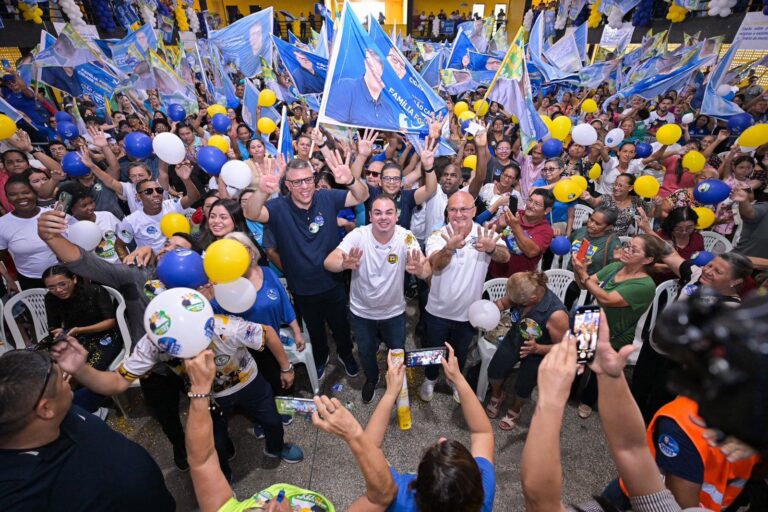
669,288
716,243
34,300
738,227
125,333
4,345
581,213
638,341
306,356
558,281
496,289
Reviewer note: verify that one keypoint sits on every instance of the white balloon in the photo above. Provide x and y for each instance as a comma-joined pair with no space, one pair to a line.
180,321
614,137
712,11
725,12
236,296
584,134
169,148
687,118
236,173
86,234
723,90
484,314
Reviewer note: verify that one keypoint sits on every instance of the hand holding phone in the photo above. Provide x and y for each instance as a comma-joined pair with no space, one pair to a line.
425,357
64,202
586,326
583,250
290,406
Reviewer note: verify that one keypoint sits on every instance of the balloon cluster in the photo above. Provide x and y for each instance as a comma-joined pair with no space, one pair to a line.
721,8
676,14
194,21
181,18
73,12
643,13
147,15
615,18
104,15
528,20
31,12
595,16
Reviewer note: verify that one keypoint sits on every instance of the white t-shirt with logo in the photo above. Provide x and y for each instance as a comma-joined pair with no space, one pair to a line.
235,367
145,229
376,292
130,196
459,284
109,225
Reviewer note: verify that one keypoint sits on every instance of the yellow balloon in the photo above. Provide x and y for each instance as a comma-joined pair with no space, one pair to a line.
266,125
694,162
173,223
595,172
466,115
589,106
219,141
216,109
267,98
560,128
547,121
706,217
581,181
754,136
37,20
226,260
481,107
646,186
515,120
460,107
7,127
566,191
471,162
669,134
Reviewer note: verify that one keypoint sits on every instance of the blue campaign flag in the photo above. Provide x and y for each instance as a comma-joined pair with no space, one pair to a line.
442,149
329,27
656,84
484,62
425,98
321,49
295,41
245,41
250,104
459,57
125,14
536,49
69,49
307,70
8,110
363,90
312,102
96,83
713,104
565,53
269,148
580,34
431,72
284,142
223,87
133,48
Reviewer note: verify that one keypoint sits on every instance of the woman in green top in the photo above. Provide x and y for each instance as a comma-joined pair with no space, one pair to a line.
625,290
602,241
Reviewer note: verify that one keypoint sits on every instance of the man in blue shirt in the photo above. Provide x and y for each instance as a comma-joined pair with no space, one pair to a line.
304,226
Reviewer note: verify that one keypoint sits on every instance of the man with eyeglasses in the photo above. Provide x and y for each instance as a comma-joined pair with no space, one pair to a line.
459,254
143,226
55,456
305,231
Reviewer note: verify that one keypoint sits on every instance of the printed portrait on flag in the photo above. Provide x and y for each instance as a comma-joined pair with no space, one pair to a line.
246,41
308,71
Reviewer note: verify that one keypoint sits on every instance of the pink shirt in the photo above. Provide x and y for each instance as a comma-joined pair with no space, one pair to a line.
670,183
8,207
528,173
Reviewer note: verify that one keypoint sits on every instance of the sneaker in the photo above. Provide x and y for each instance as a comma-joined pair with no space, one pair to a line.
180,459
369,390
427,390
287,419
350,365
456,397
584,411
290,454
257,431
321,368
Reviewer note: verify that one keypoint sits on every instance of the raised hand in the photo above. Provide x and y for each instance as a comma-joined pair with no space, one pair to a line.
98,137
351,261
513,219
184,170
740,195
85,156
486,240
453,240
451,366
281,165
316,136
481,137
395,373
427,153
607,360
415,262
340,168
365,143
269,184
332,417
557,371
70,355
21,141
201,370
436,125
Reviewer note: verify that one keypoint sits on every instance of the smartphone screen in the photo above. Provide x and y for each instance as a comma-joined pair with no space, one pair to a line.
64,202
288,405
425,357
585,328
583,250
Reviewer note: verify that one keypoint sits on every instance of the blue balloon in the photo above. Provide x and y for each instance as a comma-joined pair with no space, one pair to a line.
560,245
221,123
740,122
643,150
211,159
181,268
701,258
711,192
63,117
138,145
67,130
552,148
176,112
233,103
73,165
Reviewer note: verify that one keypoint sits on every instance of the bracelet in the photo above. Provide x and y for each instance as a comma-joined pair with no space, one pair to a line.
429,170
198,395
289,370
350,183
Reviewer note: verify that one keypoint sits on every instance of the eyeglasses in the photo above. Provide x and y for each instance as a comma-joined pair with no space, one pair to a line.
391,179
309,180
372,173
550,169
684,229
464,209
45,383
153,190
534,203
58,286
627,246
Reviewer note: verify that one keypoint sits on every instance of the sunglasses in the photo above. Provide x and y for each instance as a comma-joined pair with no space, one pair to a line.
372,173
45,383
151,190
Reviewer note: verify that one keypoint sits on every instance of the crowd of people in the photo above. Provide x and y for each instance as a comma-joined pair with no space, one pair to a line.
338,240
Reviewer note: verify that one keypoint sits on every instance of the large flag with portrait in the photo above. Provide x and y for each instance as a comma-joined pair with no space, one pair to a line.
307,70
246,41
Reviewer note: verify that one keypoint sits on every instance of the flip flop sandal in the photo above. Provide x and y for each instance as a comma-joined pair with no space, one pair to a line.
494,404
509,421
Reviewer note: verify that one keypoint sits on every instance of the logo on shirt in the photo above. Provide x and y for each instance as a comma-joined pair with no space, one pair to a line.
159,323
690,289
530,329
250,332
314,228
668,446
192,302
151,230
392,258
126,235
106,341
97,187
221,359
272,294
169,345
153,288
319,220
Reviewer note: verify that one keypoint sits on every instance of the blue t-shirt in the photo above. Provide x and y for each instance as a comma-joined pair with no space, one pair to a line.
304,238
560,209
406,498
272,307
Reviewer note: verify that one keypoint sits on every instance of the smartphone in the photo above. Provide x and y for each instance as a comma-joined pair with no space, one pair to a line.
288,405
64,202
425,357
583,250
586,325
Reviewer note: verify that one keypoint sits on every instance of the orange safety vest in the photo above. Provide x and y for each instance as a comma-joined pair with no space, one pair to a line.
723,480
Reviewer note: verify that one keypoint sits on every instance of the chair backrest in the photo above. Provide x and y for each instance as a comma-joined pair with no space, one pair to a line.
122,324
666,293
34,300
558,281
495,288
738,227
715,242
581,213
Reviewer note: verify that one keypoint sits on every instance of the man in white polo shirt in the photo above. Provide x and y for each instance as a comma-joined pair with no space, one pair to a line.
459,253
378,254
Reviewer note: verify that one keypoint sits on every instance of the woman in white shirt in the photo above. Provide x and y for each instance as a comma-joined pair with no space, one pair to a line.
496,196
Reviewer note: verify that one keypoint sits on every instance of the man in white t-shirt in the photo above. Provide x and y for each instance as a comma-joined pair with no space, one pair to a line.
143,226
378,254
459,254
237,382
661,115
